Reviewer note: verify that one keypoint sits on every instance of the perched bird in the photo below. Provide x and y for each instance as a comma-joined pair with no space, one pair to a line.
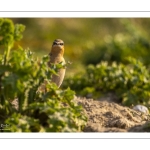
56,56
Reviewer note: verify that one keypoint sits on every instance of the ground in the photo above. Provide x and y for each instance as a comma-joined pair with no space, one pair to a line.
105,115
108,116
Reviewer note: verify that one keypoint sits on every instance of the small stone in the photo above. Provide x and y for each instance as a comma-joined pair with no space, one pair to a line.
141,108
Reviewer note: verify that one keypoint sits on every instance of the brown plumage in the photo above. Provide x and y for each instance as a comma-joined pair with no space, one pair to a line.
56,56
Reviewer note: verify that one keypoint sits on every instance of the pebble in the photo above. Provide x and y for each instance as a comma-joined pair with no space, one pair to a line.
141,108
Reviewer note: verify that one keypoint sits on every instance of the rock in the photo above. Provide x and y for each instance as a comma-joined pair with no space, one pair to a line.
141,108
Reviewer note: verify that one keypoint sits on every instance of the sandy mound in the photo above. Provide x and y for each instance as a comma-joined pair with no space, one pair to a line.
105,116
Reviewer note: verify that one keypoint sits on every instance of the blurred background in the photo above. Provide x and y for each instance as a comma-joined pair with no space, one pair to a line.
89,40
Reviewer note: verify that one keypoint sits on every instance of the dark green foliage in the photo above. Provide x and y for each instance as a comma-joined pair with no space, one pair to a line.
131,82
111,72
42,106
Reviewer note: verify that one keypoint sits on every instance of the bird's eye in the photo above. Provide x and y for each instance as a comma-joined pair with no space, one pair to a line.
61,43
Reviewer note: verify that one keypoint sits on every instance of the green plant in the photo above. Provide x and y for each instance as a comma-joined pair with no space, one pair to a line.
130,83
40,105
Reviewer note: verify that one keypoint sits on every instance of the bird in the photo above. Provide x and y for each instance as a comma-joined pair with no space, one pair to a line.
57,56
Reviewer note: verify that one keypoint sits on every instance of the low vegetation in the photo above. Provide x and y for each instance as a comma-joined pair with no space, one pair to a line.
22,77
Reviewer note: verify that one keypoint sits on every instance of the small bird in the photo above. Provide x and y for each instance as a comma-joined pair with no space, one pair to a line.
56,56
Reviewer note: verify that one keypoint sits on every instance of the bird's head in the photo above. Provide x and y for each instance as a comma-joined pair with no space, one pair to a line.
57,47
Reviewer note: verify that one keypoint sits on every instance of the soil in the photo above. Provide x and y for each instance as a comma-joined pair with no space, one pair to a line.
107,116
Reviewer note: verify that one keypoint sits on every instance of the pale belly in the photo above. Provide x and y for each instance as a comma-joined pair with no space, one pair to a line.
59,79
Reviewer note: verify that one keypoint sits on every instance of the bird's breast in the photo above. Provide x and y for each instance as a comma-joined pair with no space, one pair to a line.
56,60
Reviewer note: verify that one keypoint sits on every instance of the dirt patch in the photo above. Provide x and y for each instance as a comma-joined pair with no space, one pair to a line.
106,116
